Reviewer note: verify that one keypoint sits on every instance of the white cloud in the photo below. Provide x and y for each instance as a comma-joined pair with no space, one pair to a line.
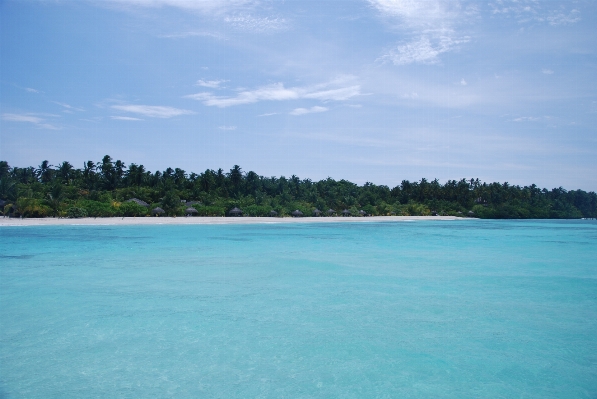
29,118
547,71
303,111
431,25
183,35
30,90
153,111
277,92
212,84
68,107
524,11
227,127
463,82
125,118
256,24
192,5
531,118
269,114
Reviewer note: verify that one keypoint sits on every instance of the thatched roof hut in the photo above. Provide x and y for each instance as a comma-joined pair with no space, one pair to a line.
297,213
316,212
138,202
157,211
471,212
235,212
346,212
273,213
191,211
331,212
362,213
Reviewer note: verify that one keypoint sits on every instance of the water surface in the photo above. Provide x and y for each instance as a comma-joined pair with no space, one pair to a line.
450,309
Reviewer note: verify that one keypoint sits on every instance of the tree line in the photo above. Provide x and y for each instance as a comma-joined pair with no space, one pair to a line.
101,189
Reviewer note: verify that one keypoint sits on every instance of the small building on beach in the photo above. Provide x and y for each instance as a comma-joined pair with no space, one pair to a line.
273,213
190,211
297,214
157,211
331,212
138,202
346,212
317,212
235,212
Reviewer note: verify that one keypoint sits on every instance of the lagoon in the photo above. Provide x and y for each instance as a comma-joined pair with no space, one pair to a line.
419,309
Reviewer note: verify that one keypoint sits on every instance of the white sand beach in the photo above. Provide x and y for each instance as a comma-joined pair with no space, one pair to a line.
210,220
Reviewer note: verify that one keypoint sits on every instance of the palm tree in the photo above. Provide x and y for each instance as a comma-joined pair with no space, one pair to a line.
65,171
44,172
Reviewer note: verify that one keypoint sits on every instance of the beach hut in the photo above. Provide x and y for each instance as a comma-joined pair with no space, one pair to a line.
191,211
296,214
471,213
346,212
362,213
273,213
316,212
157,211
331,212
138,202
235,212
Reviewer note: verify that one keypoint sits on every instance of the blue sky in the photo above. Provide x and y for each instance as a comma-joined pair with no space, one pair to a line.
364,90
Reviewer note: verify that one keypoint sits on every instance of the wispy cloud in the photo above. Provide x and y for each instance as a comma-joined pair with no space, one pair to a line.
304,111
268,114
183,35
125,118
277,92
431,26
525,11
531,118
68,108
463,82
212,84
193,5
30,90
227,127
29,118
547,71
256,24
153,111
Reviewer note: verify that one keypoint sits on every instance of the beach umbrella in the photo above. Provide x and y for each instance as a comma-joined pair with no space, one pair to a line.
297,213
362,213
331,211
138,202
316,212
157,211
346,212
273,213
235,212
191,211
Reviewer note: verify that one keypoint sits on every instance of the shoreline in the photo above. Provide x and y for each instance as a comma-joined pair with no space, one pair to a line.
207,220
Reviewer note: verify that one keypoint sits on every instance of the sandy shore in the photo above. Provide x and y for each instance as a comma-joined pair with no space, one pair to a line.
210,220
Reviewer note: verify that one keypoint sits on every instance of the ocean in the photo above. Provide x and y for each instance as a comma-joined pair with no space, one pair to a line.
421,309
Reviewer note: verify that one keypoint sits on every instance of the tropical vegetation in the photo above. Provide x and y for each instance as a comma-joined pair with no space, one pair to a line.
104,189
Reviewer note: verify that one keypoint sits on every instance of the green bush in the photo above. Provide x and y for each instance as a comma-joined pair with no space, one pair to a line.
73,212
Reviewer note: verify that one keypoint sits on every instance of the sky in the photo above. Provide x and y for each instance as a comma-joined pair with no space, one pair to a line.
363,90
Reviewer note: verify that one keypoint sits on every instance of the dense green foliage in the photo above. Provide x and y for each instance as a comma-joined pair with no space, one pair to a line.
102,189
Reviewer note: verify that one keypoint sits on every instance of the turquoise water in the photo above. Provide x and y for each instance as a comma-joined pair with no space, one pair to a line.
463,309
